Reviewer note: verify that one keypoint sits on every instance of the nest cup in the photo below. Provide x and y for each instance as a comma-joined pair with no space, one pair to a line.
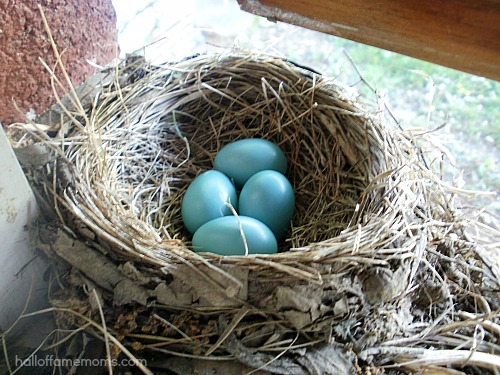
325,145
175,121
368,211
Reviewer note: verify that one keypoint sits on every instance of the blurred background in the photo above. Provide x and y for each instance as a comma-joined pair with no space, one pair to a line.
465,109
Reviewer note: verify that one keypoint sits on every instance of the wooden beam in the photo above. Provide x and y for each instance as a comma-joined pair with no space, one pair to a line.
460,34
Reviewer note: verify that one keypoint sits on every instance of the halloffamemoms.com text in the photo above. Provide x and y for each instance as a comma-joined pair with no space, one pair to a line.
51,361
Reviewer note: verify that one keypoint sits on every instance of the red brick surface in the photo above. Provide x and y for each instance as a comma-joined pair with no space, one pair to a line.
82,30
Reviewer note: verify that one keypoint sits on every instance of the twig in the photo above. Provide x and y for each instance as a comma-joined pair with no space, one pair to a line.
240,226
106,339
176,329
487,324
229,329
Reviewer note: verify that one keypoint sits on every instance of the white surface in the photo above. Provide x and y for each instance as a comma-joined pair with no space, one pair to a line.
18,266
166,30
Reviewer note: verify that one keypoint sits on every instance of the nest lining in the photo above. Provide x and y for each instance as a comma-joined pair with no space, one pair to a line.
376,242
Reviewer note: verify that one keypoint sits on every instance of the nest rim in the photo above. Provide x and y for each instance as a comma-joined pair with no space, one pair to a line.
365,154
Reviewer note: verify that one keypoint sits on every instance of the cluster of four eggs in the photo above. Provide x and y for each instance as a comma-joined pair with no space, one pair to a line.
264,207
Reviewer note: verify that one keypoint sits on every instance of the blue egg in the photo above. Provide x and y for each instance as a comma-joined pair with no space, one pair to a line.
223,236
268,197
242,159
205,199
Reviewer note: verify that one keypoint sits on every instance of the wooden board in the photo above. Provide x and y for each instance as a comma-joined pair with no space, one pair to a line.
460,34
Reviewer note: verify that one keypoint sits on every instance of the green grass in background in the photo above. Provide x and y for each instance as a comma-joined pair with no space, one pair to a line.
473,103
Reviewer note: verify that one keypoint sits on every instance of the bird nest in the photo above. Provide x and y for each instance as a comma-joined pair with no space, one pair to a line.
381,269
